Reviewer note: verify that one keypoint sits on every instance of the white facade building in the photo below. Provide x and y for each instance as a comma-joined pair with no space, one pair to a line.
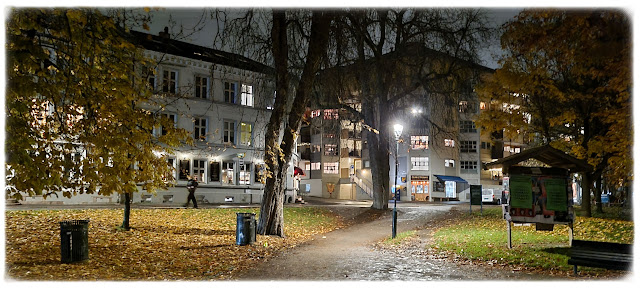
224,100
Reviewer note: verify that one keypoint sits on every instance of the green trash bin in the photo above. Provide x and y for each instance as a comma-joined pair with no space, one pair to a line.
245,228
74,240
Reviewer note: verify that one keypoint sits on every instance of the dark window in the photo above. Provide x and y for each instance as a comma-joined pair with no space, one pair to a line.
214,171
202,87
230,89
169,81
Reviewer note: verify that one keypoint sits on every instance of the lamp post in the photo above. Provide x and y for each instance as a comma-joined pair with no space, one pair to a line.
397,131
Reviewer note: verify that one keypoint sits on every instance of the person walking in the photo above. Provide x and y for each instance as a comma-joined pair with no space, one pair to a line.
192,184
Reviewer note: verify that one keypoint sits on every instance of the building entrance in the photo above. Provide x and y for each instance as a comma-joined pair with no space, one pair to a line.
420,188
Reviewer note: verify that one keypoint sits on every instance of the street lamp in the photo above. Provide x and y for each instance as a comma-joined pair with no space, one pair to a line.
397,131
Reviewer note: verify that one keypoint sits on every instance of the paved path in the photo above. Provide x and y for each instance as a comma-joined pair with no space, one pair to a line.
351,254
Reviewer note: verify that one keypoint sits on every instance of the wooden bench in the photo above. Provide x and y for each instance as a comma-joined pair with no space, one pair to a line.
613,256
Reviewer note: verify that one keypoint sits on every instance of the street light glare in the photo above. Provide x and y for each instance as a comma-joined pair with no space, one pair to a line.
397,130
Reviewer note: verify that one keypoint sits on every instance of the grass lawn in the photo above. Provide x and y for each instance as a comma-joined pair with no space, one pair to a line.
483,240
164,244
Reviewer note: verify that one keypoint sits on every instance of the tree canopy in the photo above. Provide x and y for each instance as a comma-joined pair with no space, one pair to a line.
75,104
565,81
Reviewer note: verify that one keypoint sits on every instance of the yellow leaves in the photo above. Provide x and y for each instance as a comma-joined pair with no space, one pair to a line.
164,244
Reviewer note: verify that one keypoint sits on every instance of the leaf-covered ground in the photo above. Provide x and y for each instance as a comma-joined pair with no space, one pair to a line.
483,239
164,244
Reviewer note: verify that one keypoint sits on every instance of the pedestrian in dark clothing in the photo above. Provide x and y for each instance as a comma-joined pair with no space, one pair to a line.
192,184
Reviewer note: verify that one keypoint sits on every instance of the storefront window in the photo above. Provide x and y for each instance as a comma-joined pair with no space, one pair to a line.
227,173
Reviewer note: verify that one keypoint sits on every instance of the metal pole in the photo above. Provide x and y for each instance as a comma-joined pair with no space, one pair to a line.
395,196
509,234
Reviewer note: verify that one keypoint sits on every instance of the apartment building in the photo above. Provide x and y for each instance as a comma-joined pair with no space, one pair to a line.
224,100
440,152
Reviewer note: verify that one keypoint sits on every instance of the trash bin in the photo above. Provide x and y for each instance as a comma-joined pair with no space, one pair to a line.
74,240
245,228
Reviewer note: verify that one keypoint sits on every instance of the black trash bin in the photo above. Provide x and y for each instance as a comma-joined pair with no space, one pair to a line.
74,240
245,228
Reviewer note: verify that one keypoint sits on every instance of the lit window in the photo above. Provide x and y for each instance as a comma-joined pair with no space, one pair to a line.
449,143
462,106
315,166
419,142
244,177
315,113
483,106
245,134
198,169
246,95
449,163
330,149
331,168
184,168
419,163
331,114
227,173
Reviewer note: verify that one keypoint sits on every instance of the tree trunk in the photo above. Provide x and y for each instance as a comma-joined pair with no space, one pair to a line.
127,212
586,194
278,155
379,156
598,194
271,220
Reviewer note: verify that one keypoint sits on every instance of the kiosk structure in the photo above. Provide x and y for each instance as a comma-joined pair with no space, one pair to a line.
540,195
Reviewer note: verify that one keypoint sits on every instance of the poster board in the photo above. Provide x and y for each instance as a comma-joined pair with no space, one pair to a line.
539,195
476,194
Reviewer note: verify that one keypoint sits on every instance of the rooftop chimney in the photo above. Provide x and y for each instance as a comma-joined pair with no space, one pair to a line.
165,34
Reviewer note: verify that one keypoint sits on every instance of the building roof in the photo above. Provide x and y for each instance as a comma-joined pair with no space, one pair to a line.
546,154
163,44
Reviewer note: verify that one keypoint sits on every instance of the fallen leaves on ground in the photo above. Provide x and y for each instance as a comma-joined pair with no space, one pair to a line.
482,240
164,244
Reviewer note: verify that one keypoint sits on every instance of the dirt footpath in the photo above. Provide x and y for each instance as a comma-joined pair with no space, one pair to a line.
355,253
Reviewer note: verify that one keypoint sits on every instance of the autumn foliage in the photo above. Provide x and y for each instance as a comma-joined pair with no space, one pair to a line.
164,244
565,80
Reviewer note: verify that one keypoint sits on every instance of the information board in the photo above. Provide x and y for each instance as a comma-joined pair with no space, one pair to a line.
476,194
556,190
520,189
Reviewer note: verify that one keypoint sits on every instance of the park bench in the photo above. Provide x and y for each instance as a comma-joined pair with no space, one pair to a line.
615,256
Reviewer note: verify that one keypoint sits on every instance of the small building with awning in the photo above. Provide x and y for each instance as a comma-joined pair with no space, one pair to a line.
454,187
